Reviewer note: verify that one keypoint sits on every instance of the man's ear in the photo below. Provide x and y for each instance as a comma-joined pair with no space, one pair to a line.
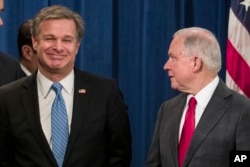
197,64
77,47
34,43
27,52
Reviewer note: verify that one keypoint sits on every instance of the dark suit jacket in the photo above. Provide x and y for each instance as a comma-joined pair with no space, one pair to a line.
22,74
9,69
223,127
100,130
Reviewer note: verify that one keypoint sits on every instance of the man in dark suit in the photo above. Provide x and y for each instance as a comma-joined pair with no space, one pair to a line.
221,117
97,121
27,55
9,67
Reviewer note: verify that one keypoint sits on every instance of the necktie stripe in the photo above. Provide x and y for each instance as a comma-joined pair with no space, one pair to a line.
59,125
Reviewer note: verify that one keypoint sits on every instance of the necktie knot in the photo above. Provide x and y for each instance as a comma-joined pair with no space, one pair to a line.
192,102
57,87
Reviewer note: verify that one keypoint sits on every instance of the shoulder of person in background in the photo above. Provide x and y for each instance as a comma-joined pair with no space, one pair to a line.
9,69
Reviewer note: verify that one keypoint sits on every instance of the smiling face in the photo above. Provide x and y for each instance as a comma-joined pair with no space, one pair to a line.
56,46
179,66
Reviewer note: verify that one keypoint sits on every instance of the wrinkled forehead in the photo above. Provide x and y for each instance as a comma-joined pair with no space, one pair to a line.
177,42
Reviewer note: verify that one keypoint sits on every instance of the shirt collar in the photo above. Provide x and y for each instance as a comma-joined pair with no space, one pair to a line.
205,94
44,84
25,70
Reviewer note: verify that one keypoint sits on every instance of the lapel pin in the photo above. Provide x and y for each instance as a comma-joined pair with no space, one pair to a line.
82,91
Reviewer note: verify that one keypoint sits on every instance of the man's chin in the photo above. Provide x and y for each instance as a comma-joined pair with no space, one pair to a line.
173,86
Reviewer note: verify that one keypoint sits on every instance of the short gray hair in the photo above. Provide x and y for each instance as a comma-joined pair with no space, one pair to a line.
202,42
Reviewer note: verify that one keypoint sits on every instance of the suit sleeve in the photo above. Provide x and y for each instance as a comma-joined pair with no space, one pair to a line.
119,130
243,129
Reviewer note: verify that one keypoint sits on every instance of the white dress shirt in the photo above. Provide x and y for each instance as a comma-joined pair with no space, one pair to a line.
46,98
202,98
25,70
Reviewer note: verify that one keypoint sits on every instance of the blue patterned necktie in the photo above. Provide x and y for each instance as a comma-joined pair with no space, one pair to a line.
59,125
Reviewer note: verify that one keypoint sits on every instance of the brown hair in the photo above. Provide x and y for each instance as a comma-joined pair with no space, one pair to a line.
58,12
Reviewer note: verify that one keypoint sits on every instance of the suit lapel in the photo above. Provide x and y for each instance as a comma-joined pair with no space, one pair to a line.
212,114
173,123
31,108
177,124
82,91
